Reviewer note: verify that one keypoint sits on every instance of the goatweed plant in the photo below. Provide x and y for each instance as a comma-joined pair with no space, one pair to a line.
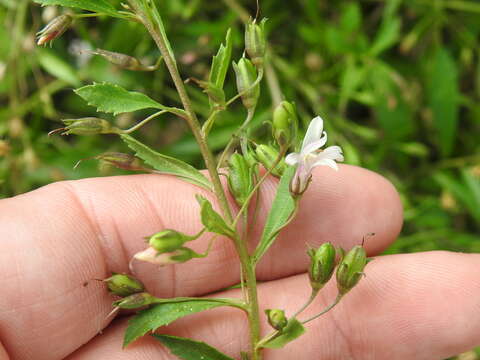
249,164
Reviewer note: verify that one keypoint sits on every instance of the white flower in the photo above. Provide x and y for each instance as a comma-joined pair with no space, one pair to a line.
311,156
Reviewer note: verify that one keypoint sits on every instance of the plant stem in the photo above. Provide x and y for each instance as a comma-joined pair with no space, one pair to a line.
309,301
327,309
154,28
143,122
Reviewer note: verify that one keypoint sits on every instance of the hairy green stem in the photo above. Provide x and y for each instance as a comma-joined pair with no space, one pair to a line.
143,122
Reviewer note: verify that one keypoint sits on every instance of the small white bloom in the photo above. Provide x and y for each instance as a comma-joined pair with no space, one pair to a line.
311,156
175,257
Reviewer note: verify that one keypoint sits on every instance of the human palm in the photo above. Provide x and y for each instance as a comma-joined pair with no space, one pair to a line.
412,306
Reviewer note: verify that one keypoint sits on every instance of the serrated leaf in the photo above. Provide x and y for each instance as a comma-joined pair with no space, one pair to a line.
166,164
212,220
163,314
111,98
292,331
282,208
189,349
100,6
221,62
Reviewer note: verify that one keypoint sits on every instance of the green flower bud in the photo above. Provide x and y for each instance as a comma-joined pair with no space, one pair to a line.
350,269
168,240
240,178
85,126
284,123
54,29
175,257
135,301
255,41
246,77
267,155
124,285
322,264
276,318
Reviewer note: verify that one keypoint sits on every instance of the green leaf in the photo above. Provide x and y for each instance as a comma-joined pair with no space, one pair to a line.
163,314
292,331
99,6
221,62
443,96
282,209
212,220
58,67
387,36
189,349
166,164
114,99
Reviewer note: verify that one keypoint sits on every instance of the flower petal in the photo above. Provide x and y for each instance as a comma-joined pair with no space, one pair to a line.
326,162
314,132
314,146
292,158
333,152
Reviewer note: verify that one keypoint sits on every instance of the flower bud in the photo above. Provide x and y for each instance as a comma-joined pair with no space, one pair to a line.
322,264
54,29
175,257
255,41
168,240
135,301
85,126
124,285
246,76
267,156
284,123
125,61
240,178
350,269
276,318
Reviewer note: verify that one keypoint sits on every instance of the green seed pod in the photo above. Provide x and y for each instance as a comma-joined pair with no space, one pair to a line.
322,264
276,318
255,41
120,160
240,178
350,269
168,240
284,123
135,301
124,285
126,61
85,126
54,29
246,76
267,155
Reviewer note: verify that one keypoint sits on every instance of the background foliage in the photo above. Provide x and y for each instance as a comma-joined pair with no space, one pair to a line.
398,81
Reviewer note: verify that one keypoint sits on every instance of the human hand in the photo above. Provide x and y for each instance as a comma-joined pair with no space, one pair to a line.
413,306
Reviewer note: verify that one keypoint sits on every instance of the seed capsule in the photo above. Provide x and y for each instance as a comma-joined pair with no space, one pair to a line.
240,178
85,126
267,155
124,285
135,301
255,41
246,76
54,29
284,123
350,269
322,264
276,318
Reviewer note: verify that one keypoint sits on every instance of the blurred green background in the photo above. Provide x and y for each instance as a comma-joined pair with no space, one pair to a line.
398,82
